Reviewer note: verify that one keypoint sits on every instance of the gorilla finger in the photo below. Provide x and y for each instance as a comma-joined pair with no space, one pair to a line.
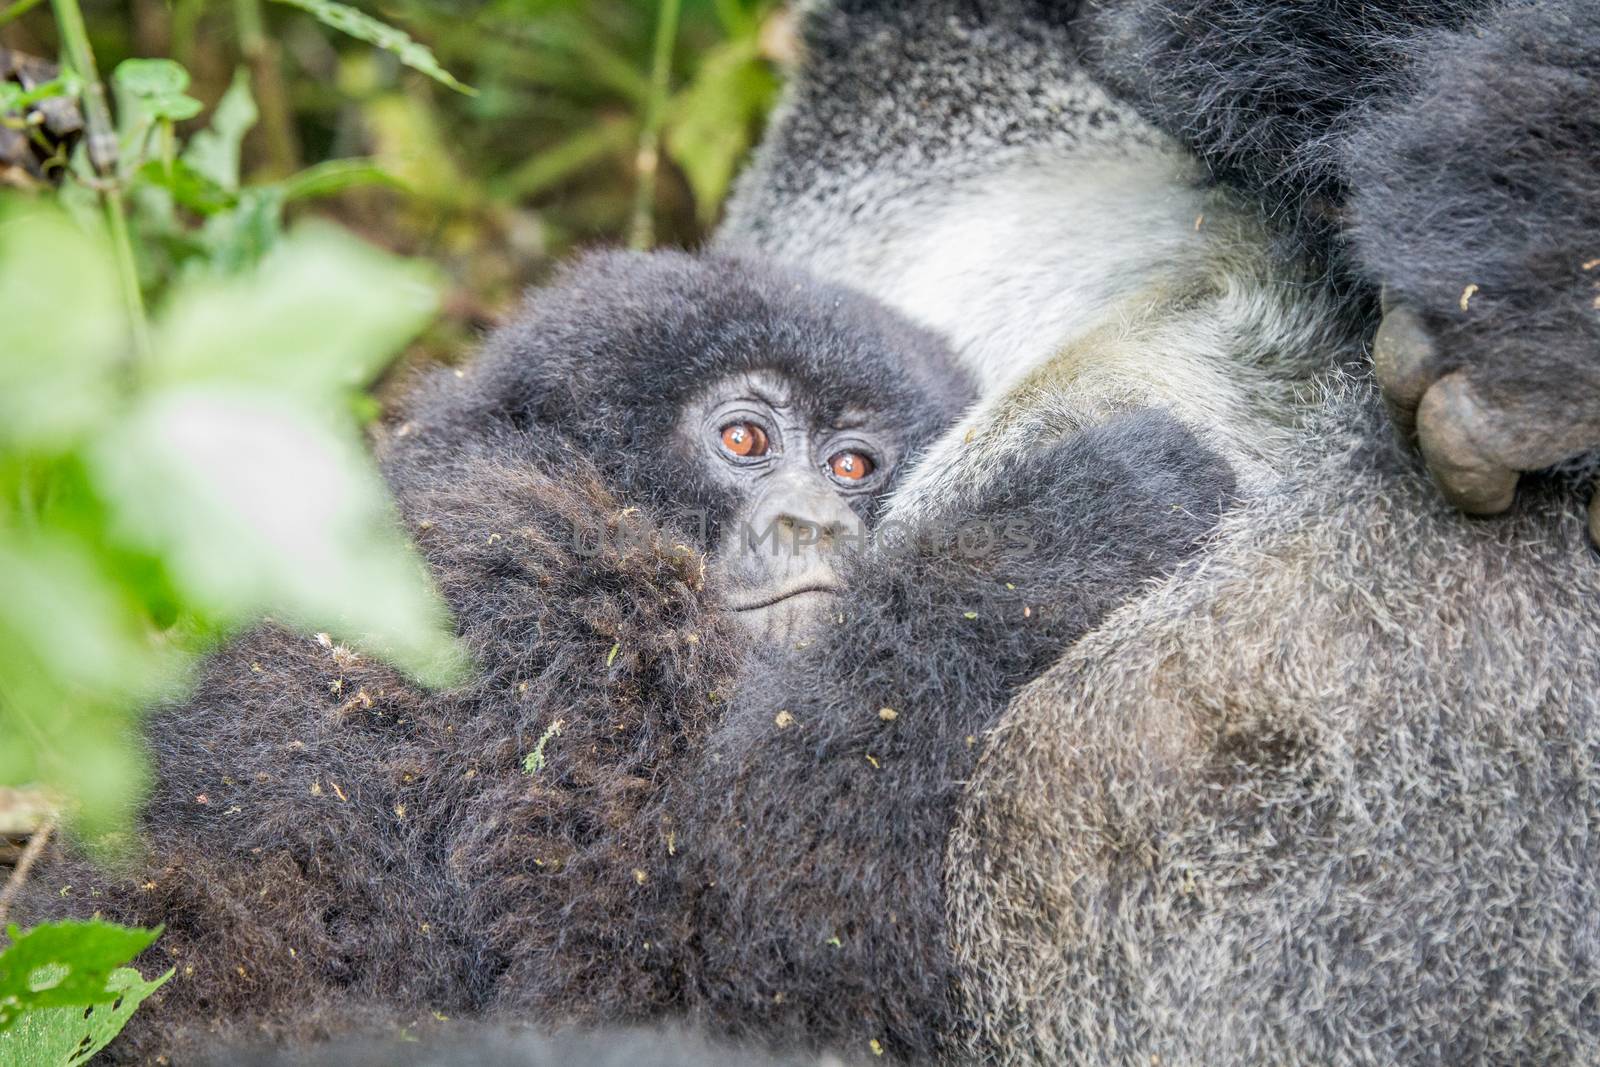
1405,362
1452,428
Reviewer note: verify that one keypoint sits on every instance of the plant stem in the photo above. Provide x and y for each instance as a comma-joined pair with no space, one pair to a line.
30,855
102,141
642,234
266,75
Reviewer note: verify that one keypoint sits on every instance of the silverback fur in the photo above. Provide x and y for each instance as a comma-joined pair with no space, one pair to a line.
1327,794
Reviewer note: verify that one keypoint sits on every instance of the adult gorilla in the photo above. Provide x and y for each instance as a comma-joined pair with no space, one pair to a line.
1329,794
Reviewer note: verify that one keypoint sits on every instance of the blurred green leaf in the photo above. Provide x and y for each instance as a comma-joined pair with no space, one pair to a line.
324,312
156,89
364,27
14,97
236,240
257,505
65,964
563,161
213,153
71,1036
56,368
714,120
74,665
189,187
334,176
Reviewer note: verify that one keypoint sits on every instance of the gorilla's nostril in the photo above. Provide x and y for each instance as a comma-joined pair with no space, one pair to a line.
800,534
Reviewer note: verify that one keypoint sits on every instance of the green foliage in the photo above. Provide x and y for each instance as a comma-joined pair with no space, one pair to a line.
715,119
169,476
213,153
151,91
220,480
194,213
363,27
71,1036
67,964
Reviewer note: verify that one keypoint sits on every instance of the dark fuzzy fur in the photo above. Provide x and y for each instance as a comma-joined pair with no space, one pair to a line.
1489,174
330,847
334,851
821,916
317,825
1266,92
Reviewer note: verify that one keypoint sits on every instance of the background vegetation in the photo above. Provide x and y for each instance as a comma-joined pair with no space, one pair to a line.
220,225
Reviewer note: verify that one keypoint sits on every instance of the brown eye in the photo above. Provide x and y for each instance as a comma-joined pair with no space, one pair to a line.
744,439
850,466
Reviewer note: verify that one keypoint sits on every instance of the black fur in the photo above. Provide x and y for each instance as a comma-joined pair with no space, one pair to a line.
333,850
1488,174
1267,92
1418,145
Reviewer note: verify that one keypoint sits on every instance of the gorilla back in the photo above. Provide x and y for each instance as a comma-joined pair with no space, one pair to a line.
1327,794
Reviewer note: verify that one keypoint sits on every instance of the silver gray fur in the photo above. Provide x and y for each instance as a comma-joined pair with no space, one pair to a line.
1328,795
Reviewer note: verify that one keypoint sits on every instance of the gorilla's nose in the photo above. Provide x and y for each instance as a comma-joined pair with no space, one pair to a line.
803,514
804,532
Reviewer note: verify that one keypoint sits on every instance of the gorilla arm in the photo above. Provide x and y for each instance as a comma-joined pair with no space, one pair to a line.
312,816
1476,202
1449,152
818,823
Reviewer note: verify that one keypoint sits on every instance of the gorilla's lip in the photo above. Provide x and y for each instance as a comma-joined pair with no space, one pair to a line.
788,593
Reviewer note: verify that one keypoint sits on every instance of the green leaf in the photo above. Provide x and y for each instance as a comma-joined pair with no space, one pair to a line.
236,240
188,186
214,152
14,97
364,27
155,87
324,312
261,503
65,964
72,1036
714,120
64,326
335,176
75,664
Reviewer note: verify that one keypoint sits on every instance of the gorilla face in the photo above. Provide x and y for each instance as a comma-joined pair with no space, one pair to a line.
803,483
754,410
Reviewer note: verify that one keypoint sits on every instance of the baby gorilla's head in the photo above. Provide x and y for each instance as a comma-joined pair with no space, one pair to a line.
747,404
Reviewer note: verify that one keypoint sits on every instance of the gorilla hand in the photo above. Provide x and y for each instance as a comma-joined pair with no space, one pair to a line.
1477,440
1476,204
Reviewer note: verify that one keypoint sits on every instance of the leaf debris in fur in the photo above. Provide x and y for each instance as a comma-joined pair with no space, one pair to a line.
533,762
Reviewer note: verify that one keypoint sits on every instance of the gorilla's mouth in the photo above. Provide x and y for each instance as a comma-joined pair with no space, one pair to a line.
788,592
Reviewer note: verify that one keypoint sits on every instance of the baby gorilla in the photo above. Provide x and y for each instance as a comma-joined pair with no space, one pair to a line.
319,831
643,805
